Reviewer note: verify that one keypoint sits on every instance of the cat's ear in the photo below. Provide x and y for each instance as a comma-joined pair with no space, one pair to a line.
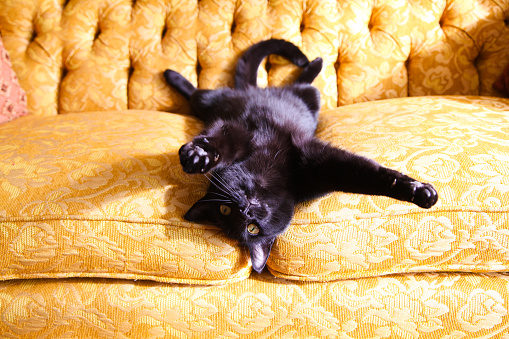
259,252
202,211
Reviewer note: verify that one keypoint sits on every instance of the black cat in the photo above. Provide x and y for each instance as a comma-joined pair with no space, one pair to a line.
261,156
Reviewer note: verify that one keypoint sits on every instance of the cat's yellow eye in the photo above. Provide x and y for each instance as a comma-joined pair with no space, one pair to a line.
253,229
225,210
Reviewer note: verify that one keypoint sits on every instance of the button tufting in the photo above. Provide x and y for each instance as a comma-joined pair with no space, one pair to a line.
114,51
33,36
226,29
30,34
97,33
163,36
442,20
371,24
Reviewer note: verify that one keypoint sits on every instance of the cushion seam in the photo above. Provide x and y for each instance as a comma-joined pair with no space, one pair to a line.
172,223
367,216
241,274
355,274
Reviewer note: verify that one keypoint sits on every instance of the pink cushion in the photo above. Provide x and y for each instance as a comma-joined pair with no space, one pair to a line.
13,99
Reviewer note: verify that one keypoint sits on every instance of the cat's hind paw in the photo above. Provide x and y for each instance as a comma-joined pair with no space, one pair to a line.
198,156
310,72
408,189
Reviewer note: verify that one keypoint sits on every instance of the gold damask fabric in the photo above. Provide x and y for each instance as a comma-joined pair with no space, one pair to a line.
103,195
163,36
396,307
30,32
86,55
93,194
458,144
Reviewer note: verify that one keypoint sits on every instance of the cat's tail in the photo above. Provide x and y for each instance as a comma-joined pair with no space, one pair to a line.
247,66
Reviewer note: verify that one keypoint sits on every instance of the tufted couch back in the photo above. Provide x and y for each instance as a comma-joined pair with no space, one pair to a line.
87,55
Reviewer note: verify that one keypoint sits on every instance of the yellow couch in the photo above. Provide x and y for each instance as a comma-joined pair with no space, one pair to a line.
93,242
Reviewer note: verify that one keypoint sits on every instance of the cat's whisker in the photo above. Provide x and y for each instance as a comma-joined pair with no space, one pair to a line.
221,195
224,186
216,200
224,183
217,193
222,189
277,153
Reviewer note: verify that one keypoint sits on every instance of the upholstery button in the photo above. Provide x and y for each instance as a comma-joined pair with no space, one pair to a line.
97,33
33,36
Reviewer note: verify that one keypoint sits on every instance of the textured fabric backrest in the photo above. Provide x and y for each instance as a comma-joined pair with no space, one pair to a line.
106,55
30,32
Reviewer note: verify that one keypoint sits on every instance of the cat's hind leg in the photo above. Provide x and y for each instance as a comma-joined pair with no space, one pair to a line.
181,84
310,72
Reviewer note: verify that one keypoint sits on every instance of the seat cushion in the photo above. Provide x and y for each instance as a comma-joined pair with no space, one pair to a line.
447,305
102,195
458,144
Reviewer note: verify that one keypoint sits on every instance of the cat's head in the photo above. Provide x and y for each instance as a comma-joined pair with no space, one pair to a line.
250,208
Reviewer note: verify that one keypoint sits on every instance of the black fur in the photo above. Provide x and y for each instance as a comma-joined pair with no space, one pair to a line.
260,154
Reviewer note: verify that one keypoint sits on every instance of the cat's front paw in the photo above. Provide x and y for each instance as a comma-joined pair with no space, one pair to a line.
421,194
198,156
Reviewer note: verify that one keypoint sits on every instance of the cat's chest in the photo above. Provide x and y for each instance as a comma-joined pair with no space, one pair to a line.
266,135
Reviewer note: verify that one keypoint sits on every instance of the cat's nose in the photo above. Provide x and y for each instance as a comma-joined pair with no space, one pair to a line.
244,208
246,211
253,202
249,203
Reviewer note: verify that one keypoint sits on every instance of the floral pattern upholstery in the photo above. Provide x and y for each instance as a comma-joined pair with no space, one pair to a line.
400,306
86,202
458,144
91,187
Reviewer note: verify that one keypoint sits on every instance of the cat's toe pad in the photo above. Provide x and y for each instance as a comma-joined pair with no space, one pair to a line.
198,156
